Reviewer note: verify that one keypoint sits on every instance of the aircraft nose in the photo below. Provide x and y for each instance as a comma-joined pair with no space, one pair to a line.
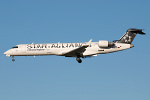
7,53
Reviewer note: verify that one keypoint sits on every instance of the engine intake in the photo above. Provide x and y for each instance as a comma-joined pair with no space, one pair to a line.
105,44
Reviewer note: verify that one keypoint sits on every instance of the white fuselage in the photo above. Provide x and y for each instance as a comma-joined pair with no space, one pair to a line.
77,50
62,48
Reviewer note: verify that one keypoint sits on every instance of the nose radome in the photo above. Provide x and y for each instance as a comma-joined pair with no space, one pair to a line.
7,53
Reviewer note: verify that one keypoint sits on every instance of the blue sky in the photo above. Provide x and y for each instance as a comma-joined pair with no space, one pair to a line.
122,75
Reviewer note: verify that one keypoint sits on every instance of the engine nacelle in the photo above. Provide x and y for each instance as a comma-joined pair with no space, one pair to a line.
104,44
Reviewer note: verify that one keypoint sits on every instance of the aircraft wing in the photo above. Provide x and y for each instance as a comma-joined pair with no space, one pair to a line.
78,51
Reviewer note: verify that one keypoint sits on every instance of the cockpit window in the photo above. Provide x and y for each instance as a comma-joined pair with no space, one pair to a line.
15,47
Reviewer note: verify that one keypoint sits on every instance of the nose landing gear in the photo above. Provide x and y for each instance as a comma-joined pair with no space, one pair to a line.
13,58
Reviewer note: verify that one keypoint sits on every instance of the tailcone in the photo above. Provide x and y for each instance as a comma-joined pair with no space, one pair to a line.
131,46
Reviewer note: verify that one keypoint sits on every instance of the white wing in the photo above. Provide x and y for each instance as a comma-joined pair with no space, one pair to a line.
78,51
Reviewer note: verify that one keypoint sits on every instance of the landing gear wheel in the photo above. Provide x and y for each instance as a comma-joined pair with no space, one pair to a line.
13,60
79,60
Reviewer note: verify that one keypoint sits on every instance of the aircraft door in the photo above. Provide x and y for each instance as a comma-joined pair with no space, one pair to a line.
23,49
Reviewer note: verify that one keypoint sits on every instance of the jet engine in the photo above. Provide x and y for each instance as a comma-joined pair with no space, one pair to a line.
105,44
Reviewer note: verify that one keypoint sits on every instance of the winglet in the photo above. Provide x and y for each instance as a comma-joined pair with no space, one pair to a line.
90,41
88,44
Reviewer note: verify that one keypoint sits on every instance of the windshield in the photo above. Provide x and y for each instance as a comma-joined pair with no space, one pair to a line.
15,47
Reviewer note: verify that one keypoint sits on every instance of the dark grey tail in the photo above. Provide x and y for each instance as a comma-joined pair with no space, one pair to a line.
130,35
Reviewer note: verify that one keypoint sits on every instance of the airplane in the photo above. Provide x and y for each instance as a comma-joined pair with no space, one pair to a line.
78,50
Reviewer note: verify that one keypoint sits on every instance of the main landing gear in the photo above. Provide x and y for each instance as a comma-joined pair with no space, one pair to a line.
78,59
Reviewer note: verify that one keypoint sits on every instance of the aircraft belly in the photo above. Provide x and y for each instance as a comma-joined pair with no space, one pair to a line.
91,51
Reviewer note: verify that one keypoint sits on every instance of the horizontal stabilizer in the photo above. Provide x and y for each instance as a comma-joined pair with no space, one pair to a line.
138,31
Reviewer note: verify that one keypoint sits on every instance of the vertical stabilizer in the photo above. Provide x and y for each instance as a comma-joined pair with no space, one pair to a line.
129,36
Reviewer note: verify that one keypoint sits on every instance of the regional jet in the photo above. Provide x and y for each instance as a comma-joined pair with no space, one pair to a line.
78,50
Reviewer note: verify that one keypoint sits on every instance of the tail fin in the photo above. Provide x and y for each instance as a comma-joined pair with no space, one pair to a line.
130,35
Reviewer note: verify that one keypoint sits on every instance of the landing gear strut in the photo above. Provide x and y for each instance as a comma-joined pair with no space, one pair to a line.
79,60
13,58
